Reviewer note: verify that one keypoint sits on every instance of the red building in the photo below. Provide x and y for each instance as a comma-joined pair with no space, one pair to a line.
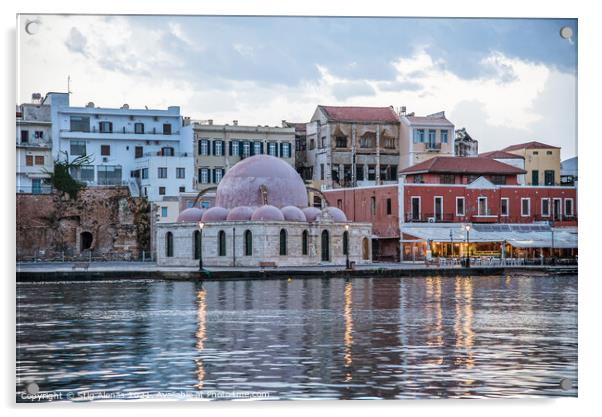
442,194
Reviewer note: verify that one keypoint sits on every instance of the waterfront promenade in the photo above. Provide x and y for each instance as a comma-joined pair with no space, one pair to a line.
41,271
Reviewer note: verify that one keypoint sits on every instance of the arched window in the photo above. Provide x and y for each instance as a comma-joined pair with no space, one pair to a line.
221,237
248,243
365,249
282,242
197,244
345,242
305,243
169,244
325,246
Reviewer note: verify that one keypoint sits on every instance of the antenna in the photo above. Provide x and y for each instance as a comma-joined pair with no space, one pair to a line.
68,84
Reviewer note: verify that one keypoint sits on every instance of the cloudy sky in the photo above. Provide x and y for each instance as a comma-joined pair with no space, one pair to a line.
505,80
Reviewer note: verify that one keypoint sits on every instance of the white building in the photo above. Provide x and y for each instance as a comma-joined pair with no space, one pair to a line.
33,142
148,150
512,159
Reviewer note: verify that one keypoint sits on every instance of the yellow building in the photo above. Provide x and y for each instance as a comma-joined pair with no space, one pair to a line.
542,162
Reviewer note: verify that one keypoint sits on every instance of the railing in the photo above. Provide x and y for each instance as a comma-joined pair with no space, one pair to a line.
433,146
85,256
430,218
159,153
45,189
557,218
122,132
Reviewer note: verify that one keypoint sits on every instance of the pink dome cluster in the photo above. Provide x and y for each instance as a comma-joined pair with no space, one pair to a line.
311,213
267,212
215,214
192,214
338,216
293,214
241,213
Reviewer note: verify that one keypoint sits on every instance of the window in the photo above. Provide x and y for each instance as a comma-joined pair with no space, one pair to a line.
161,190
79,123
167,151
282,242
219,147
365,249
166,129
525,207
460,206
535,152
77,147
305,242
359,173
545,207
29,160
471,178
340,203
39,134
415,206
36,186
182,189
24,136
218,174
105,127
248,243
444,134
548,175
322,172
109,174
325,252
39,160
138,152
323,142
272,149
432,135
418,179
204,176
196,238
169,244
389,207
162,172
139,128
568,207
221,243
345,243
105,150
204,147
257,148
341,141
371,173
234,148
83,173
368,140
144,173
180,173
482,206
312,144
418,135
535,177
504,207
389,142
163,211
498,179
447,179
286,150
246,149
373,206
548,152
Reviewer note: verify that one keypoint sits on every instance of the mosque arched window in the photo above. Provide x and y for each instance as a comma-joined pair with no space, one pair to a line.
248,243
345,242
169,244
196,244
365,249
305,243
282,242
221,237
325,246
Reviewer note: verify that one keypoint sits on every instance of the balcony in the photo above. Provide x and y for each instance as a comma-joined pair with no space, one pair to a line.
430,218
166,155
123,135
433,146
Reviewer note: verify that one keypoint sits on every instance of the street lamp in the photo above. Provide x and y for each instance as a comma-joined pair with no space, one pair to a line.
346,242
201,225
467,228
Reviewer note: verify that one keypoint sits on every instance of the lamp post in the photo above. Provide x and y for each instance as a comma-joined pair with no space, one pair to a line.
201,225
346,242
467,228
451,239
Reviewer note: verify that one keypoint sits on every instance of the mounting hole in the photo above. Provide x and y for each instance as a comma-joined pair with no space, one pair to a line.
32,27
566,384
566,32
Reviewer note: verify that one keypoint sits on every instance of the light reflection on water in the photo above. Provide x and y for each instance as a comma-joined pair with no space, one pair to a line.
436,337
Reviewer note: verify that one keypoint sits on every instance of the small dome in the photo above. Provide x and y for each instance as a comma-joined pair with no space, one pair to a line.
338,216
215,214
192,214
293,214
311,213
267,212
241,213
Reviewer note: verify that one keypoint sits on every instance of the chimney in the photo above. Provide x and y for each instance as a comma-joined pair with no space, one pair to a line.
235,122
284,123
210,122
36,98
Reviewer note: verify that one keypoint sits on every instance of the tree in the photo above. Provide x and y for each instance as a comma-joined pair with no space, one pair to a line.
61,178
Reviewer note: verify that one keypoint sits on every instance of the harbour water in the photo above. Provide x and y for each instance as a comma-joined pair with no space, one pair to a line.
363,338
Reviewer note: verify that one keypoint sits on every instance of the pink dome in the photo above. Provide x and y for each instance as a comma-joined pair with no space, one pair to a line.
192,214
267,212
293,214
215,214
338,216
311,213
241,184
240,213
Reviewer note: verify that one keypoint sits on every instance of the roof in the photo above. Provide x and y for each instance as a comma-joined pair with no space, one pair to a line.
529,145
429,121
299,127
500,155
360,114
463,165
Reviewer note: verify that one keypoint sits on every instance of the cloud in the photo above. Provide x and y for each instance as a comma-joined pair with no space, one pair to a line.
76,42
399,86
344,90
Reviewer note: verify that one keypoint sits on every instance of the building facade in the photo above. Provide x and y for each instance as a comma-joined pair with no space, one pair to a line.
150,151
425,137
542,162
300,146
352,146
33,148
464,144
219,147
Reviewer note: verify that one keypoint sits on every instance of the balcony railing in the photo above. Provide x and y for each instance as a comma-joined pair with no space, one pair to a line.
430,218
433,146
159,153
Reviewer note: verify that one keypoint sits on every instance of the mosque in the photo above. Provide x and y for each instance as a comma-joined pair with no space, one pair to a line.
261,218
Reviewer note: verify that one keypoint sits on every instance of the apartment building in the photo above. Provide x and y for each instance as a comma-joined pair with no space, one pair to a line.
464,144
542,162
425,137
33,147
148,150
219,147
351,146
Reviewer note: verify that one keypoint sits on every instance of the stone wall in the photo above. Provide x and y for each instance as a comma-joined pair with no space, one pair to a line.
50,226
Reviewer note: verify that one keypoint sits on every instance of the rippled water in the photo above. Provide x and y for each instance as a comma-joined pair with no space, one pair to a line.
301,338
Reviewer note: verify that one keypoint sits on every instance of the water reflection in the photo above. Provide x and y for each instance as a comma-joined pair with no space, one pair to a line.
303,338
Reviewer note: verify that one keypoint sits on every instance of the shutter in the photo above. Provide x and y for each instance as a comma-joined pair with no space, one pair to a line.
281,149
111,127
199,174
240,148
230,148
252,148
213,173
199,147
213,147
261,148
